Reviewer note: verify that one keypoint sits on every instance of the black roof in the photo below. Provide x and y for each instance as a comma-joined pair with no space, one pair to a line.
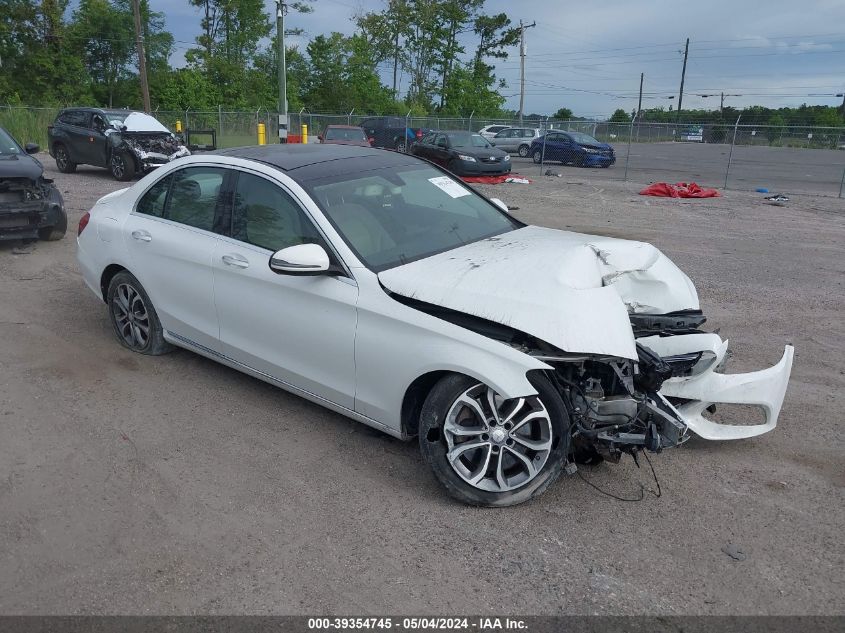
317,160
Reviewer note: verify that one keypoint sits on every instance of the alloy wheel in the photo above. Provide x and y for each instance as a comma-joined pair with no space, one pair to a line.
118,167
131,316
523,151
495,444
61,158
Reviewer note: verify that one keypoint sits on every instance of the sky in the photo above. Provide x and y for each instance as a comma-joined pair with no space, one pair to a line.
588,56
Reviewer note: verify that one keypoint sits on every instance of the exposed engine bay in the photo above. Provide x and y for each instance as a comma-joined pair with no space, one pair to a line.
151,149
28,207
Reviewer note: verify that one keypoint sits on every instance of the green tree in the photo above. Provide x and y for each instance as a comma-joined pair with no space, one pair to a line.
109,43
620,116
775,129
563,114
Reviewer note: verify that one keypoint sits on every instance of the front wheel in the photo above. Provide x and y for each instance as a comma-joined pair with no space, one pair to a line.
121,166
401,147
133,316
491,451
523,151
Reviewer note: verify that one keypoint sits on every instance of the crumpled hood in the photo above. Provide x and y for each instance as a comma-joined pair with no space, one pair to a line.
572,290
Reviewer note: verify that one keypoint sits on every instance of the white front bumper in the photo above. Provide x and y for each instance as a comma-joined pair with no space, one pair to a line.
765,388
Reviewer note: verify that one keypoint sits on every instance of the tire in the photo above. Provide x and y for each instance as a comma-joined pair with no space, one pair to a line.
501,471
538,156
523,151
63,162
130,312
401,146
451,167
55,232
121,166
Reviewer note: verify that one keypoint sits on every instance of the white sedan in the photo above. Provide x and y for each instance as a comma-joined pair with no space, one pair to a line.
381,287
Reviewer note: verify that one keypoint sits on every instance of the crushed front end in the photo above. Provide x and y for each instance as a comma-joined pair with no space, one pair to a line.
29,209
151,149
621,406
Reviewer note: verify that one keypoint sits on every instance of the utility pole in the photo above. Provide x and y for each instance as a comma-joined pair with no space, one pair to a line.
683,75
640,102
142,58
522,28
283,94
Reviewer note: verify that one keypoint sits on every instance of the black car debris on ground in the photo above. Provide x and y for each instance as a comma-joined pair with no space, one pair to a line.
30,206
123,141
463,153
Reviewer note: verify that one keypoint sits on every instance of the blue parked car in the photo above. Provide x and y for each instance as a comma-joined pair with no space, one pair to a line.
575,148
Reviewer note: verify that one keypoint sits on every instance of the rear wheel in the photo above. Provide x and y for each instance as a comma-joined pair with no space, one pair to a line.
523,151
538,156
63,162
401,147
133,316
121,166
491,451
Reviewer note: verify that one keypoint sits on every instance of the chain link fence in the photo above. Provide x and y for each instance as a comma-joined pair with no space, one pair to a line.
737,155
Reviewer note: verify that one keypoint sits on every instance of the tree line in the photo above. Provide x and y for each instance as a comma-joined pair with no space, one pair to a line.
437,57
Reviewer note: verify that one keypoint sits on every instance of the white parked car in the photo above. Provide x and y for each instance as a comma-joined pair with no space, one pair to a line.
516,140
489,131
381,287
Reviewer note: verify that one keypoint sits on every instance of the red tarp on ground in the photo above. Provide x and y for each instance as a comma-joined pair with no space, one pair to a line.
491,180
678,190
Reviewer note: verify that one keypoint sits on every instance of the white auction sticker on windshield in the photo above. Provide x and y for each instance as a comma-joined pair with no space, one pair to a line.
449,186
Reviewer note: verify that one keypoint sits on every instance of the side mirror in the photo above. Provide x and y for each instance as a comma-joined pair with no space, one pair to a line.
500,204
31,148
302,259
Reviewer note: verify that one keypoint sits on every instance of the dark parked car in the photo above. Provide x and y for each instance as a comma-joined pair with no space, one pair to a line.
463,153
345,135
577,148
391,132
30,206
123,141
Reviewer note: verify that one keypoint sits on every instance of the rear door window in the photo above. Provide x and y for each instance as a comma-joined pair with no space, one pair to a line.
78,118
152,203
195,195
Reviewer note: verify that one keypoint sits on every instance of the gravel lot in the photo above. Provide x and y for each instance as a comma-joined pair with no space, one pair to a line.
174,485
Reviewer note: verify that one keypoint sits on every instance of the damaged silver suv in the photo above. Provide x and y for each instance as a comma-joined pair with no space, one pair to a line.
123,141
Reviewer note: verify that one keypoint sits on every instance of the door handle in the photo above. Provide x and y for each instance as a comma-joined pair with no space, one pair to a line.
142,236
237,261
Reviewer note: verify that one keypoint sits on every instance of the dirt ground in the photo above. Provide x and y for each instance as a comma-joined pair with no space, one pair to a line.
173,485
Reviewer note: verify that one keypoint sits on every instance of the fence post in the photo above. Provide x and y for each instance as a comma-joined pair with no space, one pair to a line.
842,183
349,117
630,138
186,121
469,125
731,153
542,152
219,123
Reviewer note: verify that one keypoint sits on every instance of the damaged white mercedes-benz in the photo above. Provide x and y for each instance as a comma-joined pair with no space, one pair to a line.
385,289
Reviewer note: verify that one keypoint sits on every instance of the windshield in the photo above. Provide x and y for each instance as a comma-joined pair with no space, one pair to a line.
393,216
345,134
465,139
8,147
583,139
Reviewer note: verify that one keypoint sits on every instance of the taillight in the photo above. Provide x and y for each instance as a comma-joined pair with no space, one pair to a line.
83,222
419,133
371,140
